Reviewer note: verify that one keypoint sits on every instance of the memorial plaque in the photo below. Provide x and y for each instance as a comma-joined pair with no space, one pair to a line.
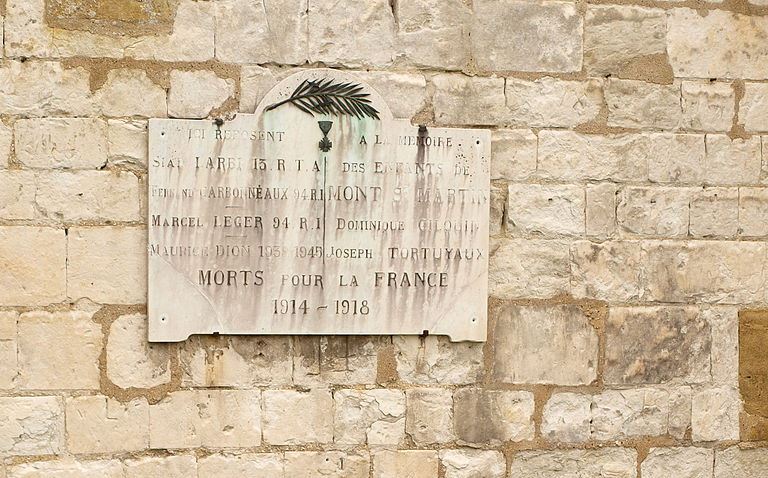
318,214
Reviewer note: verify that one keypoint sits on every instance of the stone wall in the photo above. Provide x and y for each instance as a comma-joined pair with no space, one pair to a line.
629,223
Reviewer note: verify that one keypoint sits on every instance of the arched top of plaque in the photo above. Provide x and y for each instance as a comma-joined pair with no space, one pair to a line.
324,92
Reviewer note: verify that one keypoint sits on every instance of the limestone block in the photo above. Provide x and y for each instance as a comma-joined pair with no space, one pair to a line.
656,345
31,426
410,463
429,415
601,209
677,158
565,155
348,33
707,105
295,418
131,93
25,32
67,143
373,417
350,360
255,83
567,418
613,462
240,362
88,196
466,463
715,414
434,33
127,142
331,464
131,360
261,32
654,211
607,271
718,45
6,140
98,424
714,212
497,212
552,344
436,360
68,469
618,38
732,162
18,189
724,322
8,349
514,154
680,411
547,36
92,263
493,416
43,88
463,100
705,271
181,466
736,462
33,260
210,418
406,94
637,104
753,211
678,462
529,268
550,102
753,108
194,94
545,210
59,350
618,414
252,465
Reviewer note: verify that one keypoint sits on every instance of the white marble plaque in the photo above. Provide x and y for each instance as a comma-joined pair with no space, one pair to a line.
261,225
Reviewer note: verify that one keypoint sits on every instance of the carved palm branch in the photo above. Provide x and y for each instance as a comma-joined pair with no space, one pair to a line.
327,97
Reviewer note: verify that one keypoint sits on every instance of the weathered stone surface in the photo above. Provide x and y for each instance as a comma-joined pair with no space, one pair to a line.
466,463
71,143
261,32
68,469
707,105
31,426
726,366
255,83
434,33
753,211
41,88
59,351
18,189
295,418
529,268
617,36
732,161
607,271
211,418
131,360
553,344
654,211
514,154
406,94
537,209
549,102
567,418
350,360
736,462
252,465
373,417
680,411
429,415
676,158
463,100
351,34
194,94
497,214
637,104
753,110
613,462
493,416
554,48
6,140
91,264
655,345
8,349
127,142
715,414
678,462
714,212
180,466
98,424
410,463
620,414
24,253
240,362
435,360
600,211
331,464
131,93
717,45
